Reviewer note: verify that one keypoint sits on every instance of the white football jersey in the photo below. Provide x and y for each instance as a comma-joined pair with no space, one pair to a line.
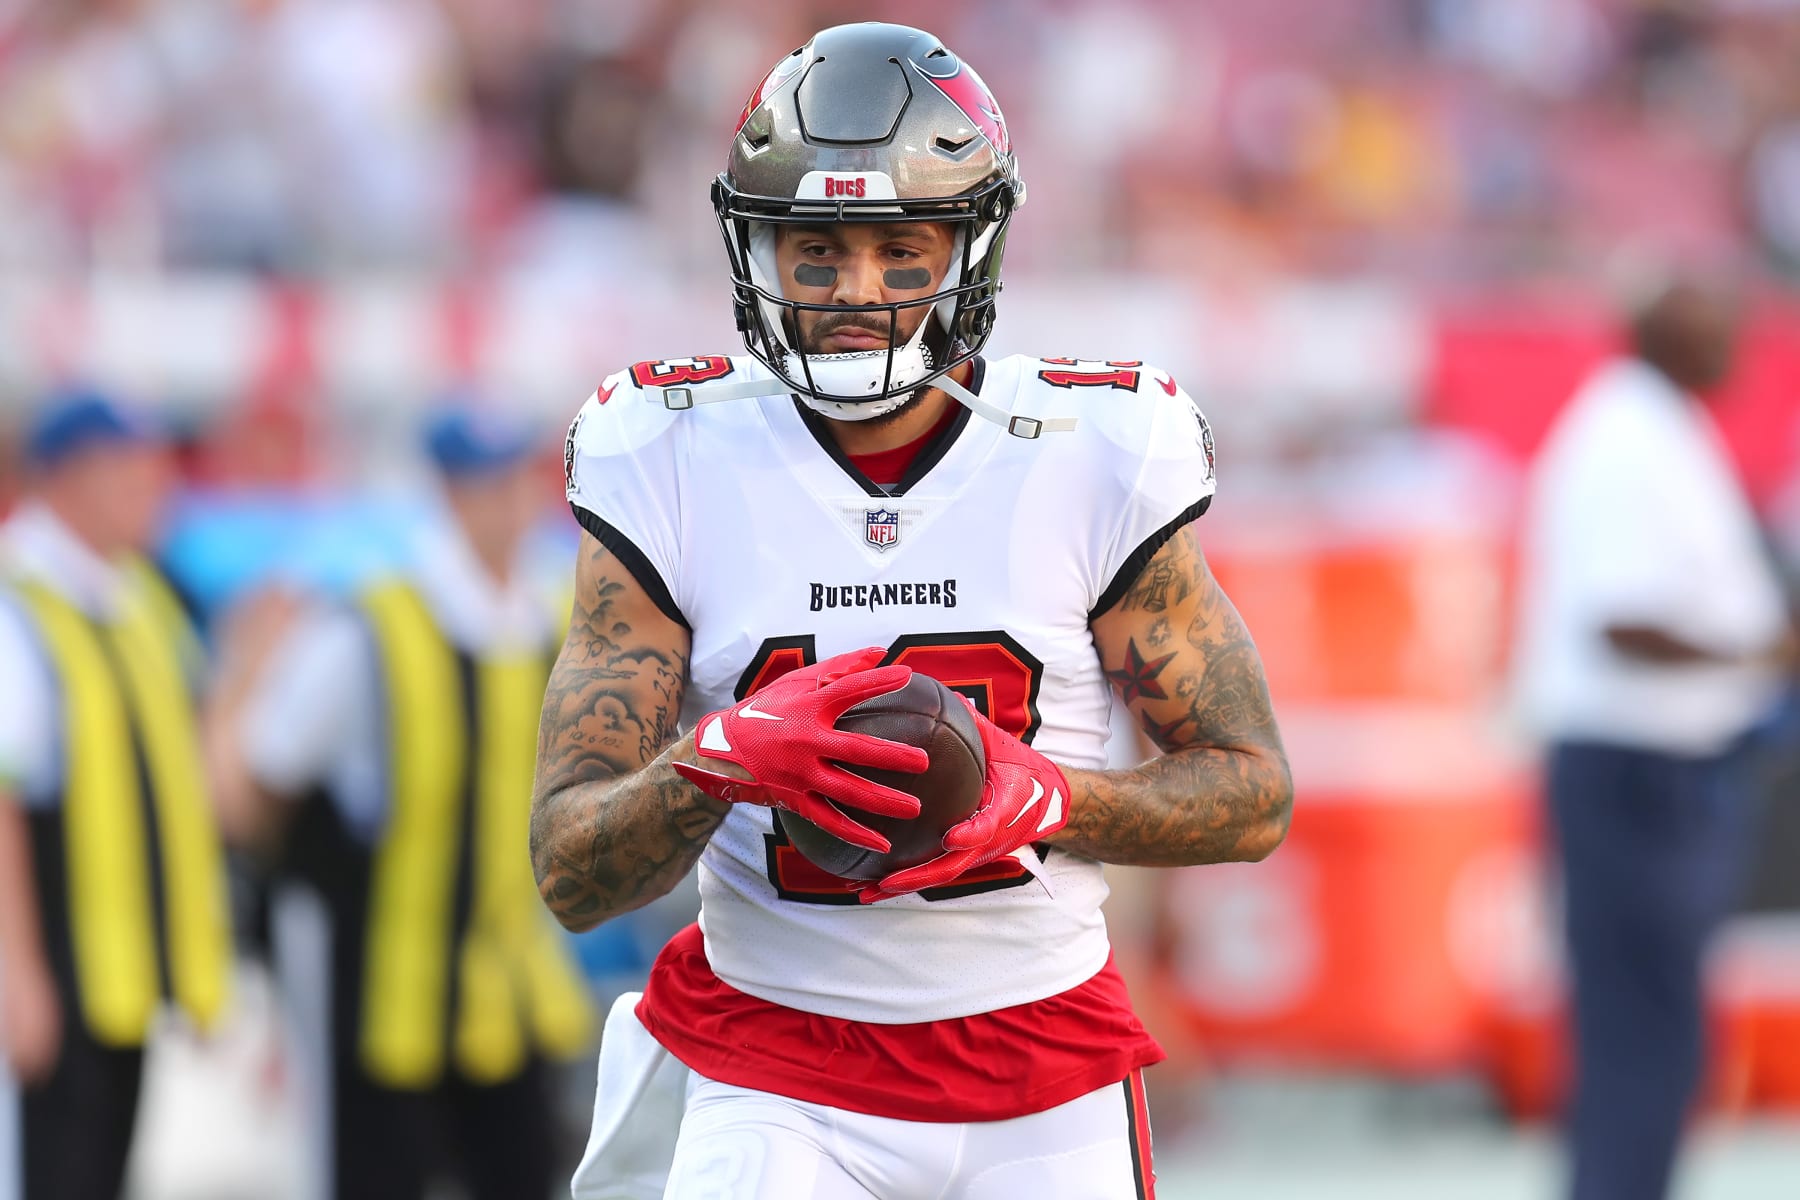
983,568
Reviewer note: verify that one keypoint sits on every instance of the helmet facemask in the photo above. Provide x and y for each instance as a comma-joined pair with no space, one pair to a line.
863,384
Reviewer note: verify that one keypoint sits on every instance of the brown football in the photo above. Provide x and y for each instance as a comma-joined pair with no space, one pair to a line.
926,714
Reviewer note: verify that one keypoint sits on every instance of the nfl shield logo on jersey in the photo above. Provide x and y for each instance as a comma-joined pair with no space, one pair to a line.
882,529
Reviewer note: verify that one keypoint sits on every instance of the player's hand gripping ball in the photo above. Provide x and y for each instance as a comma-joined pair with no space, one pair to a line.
1024,799
787,740
930,716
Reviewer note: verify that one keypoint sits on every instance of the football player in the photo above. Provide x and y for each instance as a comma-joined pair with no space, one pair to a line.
773,539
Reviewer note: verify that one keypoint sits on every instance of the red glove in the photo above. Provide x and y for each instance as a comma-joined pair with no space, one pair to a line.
1025,800
786,736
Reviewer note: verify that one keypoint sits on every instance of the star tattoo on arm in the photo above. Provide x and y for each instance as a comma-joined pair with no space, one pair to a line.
1221,792
1137,678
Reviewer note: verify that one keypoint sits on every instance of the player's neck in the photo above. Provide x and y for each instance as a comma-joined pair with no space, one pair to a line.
858,438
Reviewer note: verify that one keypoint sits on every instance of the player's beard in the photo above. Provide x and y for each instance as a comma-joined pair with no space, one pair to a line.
880,323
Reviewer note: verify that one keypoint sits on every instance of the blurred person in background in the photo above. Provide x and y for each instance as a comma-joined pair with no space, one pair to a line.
383,759
1654,638
113,898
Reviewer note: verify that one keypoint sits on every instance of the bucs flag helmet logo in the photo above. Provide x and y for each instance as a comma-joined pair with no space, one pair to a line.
966,90
881,529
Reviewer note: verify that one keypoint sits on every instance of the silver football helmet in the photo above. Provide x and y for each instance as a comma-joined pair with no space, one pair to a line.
874,123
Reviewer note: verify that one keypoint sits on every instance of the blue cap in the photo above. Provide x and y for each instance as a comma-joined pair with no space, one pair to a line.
80,419
464,440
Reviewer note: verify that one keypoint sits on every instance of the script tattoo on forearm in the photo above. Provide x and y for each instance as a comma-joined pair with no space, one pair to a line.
606,835
1223,792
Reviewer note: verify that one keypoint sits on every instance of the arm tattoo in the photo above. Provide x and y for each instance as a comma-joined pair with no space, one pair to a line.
1137,677
1163,585
612,828
612,702
1223,792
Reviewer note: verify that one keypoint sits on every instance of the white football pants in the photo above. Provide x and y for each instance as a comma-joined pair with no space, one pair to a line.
738,1143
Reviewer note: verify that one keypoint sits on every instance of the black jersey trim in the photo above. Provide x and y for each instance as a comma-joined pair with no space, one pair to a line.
821,432
635,561
1134,565
820,427
934,453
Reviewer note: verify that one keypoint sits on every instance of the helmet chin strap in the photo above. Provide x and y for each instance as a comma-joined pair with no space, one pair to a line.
1018,426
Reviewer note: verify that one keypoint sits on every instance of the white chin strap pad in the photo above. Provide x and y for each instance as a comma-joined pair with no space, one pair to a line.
838,379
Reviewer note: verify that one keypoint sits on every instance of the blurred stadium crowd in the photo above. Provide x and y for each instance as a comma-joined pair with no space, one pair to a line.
1377,239
1451,141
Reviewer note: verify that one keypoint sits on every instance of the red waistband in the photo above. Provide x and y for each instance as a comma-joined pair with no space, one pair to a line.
987,1067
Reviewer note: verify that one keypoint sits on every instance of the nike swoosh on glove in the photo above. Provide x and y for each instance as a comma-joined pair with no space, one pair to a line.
1024,800
785,735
